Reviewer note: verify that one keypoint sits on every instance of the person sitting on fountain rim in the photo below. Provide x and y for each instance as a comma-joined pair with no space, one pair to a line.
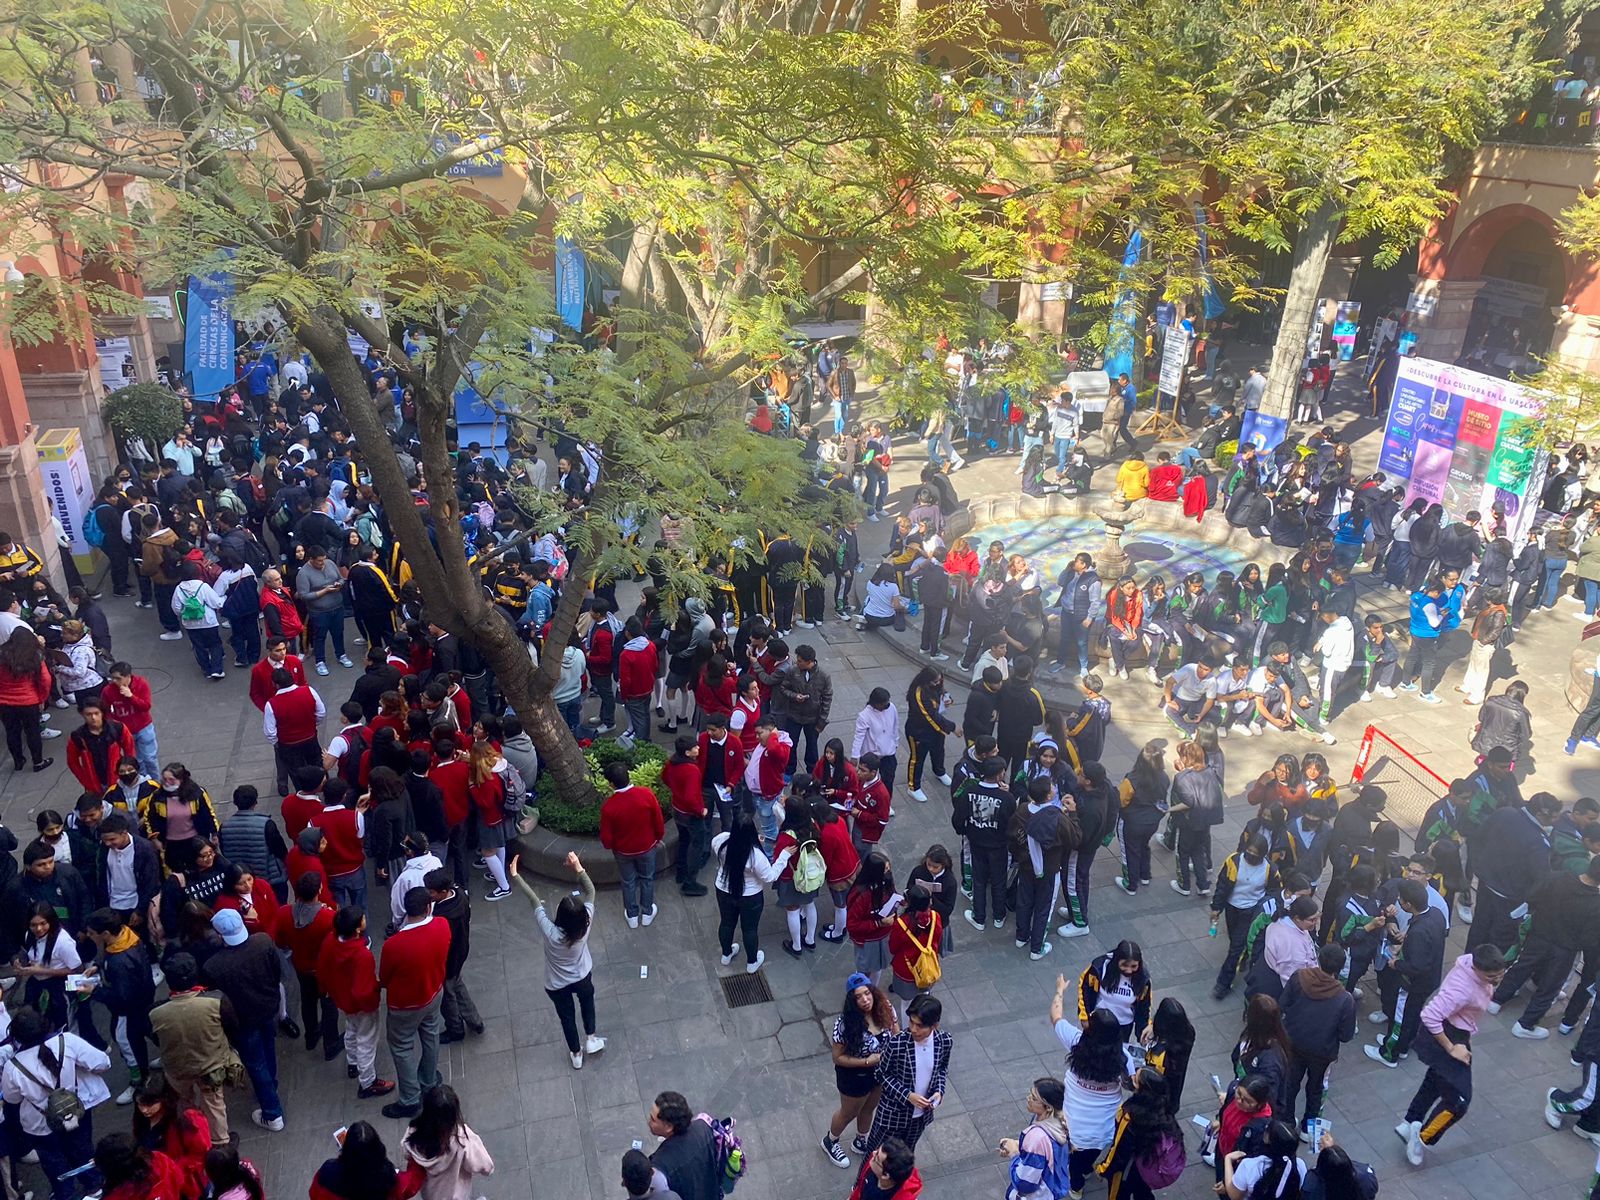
1133,477
1165,479
1074,481
1223,429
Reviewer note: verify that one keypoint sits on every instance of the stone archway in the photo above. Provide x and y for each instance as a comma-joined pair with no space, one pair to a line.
1523,276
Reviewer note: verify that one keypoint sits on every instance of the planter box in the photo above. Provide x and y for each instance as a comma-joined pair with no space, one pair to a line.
545,854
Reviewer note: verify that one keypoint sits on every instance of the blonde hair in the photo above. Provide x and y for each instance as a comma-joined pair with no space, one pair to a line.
73,631
1190,755
483,757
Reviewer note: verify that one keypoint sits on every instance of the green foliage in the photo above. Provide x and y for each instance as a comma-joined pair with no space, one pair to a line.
581,818
144,410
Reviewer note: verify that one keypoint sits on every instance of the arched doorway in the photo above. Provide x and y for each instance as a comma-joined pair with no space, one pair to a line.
1525,275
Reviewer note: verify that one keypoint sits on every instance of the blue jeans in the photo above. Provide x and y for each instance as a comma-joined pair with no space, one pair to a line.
244,635
62,1152
1187,457
1591,596
935,459
1063,448
638,875
1554,568
877,490
207,647
144,745
350,888
843,419
572,713
323,624
258,1050
1345,555
766,821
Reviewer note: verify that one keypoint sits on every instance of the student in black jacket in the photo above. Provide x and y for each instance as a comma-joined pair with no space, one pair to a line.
979,716
1416,970
1510,859
926,729
982,815
452,905
1565,911
1319,1015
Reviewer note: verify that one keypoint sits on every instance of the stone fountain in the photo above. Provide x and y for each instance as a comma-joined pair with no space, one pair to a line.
1112,561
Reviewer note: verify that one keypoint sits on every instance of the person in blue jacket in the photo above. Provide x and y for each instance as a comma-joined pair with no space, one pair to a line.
1435,611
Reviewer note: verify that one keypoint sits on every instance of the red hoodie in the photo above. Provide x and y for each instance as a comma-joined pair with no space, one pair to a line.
636,670
81,760
630,821
304,943
909,1190
132,710
1164,481
166,1181
348,973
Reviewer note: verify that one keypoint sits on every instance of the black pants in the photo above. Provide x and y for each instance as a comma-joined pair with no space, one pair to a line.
22,721
988,881
1402,1032
1194,856
744,911
1492,922
1589,718
1441,1102
1033,907
1237,921
1548,965
694,847
567,999
117,551
317,1013
605,690
932,628
1137,830
289,758
924,746
796,732
375,624
1583,1099
1314,1071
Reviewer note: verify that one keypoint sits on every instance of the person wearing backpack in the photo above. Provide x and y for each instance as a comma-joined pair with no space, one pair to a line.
804,873
688,1155
1039,1153
1146,1151
241,605
55,1080
196,605
1274,1174
914,940
102,529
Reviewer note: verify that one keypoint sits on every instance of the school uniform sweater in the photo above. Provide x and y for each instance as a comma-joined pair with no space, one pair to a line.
412,970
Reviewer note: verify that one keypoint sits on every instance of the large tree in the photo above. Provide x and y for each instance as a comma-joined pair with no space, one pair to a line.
719,146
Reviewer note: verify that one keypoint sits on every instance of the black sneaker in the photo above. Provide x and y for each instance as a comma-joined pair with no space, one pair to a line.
44,764
859,1144
401,1112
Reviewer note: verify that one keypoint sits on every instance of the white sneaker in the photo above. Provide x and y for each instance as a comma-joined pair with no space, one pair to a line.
1551,1117
1222,731
61,703
1464,913
920,796
633,922
1537,1034
1366,697
172,635
972,920
1070,930
125,1096
594,1044
651,915
1388,693
275,1125
1150,674
1328,739
577,1060
1376,1017
1414,1149
761,957
945,779
1178,887
1492,1008
727,958
1592,1138
1041,952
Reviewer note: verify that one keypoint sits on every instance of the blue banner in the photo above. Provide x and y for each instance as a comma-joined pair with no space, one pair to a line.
1213,305
208,347
1262,431
1123,327
572,283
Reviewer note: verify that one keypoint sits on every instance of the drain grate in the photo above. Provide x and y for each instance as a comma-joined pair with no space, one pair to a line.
741,991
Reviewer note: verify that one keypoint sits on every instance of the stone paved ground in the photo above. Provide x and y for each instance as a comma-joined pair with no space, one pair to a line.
559,1134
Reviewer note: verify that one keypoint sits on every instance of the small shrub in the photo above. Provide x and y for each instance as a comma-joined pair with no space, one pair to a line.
579,819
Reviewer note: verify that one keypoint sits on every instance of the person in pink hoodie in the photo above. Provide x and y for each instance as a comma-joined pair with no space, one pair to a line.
445,1147
1449,1019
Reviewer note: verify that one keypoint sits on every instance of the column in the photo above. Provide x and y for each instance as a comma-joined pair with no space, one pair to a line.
1441,311
24,508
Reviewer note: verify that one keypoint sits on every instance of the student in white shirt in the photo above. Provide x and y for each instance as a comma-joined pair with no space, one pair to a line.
1093,1082
49,955
743,874
47,1060
1275,1175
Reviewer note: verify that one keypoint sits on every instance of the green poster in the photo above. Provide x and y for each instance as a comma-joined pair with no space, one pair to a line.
1514,448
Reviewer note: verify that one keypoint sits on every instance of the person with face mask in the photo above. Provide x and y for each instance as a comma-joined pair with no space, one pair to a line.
132,789
1118,982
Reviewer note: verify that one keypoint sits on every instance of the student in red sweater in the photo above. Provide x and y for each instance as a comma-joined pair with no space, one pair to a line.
278,656
290,721
301,928
252,898
412,974
1165,478
348,974
871,809
685,780
452,773
864,920
636,680
303,806
305,858
839,853
344,857
127,699
714,692
764,773
631,827
918,925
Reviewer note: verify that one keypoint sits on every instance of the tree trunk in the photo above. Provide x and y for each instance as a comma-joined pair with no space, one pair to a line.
1311,253
451,591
